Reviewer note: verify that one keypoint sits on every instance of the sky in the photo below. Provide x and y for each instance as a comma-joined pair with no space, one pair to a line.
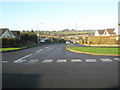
58,15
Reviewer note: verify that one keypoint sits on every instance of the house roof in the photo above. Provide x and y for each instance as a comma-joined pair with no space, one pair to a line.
16,33
100,31
2,30
111,31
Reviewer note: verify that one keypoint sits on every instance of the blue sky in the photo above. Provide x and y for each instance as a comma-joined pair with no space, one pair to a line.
59,15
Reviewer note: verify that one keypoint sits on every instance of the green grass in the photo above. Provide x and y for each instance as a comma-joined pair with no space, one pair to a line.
97,50
21,47
9,49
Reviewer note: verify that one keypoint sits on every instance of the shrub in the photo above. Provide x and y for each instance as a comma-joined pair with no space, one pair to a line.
10,42
5,42
27,38
103,40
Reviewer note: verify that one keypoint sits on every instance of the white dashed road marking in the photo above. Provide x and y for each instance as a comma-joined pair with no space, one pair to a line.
4,61
47,61
47,47
33,61
38,51
90,60
61,61
105,60
118,59
76,60
19,61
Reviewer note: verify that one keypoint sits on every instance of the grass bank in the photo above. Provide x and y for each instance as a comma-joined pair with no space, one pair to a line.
18,48
96,50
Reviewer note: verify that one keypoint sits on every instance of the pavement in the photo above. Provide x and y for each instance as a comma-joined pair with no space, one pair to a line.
51,66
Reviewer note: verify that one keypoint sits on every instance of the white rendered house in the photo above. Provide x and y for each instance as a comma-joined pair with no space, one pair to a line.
117,29
5,32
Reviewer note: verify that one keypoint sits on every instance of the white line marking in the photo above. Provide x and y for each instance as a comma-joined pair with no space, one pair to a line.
76,60
61,61
38,50
25,57
4,61
106,60
47,47
19,61
90,60
33,61
118,59
36,60
46,61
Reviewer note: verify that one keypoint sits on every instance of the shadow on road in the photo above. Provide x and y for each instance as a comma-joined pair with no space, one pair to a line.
31,81
20,80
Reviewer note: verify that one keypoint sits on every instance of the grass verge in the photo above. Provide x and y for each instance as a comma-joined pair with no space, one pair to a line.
96,50
8,49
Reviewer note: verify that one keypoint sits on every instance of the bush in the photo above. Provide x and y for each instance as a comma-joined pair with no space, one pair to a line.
10,42
5,42
103,40
27,38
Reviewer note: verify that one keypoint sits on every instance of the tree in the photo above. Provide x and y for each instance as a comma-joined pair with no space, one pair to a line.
23,30
32,31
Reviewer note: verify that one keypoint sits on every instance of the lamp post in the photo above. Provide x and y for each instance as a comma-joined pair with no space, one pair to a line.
38,38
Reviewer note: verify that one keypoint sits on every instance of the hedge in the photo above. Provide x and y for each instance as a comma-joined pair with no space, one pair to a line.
10,42
104,39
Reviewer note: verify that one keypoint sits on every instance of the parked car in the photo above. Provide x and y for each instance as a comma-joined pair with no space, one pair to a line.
67,42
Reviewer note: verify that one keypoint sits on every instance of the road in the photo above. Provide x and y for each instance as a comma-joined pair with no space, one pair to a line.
51,66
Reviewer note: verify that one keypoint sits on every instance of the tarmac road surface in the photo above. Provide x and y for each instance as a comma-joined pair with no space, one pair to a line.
51,66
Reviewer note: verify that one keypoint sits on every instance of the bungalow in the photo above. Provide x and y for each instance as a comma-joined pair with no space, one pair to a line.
5,32
117,29
99,33
106,32
16,34
109,32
